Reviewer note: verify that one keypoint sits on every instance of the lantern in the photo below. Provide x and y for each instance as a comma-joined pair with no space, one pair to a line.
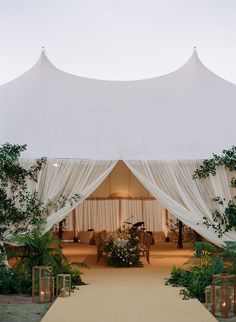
212,293
224,301
63,285
42,284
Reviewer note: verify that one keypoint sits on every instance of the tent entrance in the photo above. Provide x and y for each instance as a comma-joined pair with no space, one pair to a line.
120,198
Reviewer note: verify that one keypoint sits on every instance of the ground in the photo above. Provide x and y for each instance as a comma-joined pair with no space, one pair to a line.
148,281
19,308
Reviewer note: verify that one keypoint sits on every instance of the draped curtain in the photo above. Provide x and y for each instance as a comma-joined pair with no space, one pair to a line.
172,183
105,214
96,214
67,177
149,211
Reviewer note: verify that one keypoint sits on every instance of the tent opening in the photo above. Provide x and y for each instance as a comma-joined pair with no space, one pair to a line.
121,199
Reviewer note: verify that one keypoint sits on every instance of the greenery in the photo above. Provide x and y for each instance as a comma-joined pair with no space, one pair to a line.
21,213
19,207
208,260
222,221
124,254
38,250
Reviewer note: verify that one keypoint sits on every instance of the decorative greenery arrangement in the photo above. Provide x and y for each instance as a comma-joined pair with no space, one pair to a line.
21,214
208,260
38,250
123,250
20,207
222,221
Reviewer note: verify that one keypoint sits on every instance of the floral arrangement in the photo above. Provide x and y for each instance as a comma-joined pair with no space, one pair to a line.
123,249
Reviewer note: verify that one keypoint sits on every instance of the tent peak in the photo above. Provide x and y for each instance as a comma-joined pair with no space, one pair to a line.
194,60
43,51
195,53
43,59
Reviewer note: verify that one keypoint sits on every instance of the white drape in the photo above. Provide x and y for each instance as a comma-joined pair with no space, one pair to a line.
105,214
171,182
66,177
149,211
154,216
131,210
96,214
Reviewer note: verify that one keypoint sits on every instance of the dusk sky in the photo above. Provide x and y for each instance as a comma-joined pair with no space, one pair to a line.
125,39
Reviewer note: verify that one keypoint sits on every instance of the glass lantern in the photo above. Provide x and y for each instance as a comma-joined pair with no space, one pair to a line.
212,294
225,300
42,284
63,285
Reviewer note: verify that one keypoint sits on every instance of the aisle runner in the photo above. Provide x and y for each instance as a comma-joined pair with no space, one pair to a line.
129,295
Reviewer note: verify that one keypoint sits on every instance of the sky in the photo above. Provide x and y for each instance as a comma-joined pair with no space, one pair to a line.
117,39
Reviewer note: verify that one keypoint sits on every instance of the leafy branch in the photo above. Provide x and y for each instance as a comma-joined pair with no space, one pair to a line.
223,221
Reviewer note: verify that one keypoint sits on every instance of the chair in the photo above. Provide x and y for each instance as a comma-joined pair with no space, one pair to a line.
148,239
103,235
145,241
100,245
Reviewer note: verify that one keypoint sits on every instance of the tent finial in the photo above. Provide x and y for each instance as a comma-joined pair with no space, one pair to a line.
195,53
43,50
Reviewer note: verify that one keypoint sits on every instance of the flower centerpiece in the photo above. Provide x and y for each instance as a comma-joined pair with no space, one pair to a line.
123,249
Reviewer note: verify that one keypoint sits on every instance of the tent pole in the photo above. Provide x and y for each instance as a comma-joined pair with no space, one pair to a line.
75,233
120,212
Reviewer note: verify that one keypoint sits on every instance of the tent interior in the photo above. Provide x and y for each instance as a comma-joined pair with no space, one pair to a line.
120,198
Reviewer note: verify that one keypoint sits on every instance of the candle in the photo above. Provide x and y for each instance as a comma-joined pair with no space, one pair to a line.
224,309
41,296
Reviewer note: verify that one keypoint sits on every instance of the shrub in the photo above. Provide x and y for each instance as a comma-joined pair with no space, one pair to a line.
198,274
39,249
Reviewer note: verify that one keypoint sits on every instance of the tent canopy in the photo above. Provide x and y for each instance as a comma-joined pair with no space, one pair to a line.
85,125
187,114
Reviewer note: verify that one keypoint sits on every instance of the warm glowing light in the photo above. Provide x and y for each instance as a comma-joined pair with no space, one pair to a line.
42,295
56,165
120,195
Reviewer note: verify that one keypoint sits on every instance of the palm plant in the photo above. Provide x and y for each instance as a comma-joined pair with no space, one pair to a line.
38,249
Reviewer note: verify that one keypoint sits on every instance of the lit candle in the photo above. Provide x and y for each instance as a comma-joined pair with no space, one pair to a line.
41,296
224,309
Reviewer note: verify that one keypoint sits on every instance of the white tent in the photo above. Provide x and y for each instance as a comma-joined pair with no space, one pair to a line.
180,118
187,114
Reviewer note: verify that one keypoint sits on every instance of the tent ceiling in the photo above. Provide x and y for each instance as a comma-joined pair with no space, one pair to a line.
121,182
187,114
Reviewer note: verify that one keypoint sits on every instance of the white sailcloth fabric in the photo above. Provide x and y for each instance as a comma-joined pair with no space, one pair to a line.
67,177
171,182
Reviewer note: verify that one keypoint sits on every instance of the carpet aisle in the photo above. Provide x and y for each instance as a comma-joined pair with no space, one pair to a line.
128,295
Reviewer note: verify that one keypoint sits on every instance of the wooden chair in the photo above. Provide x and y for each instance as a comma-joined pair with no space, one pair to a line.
103,235
100,245
145,241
